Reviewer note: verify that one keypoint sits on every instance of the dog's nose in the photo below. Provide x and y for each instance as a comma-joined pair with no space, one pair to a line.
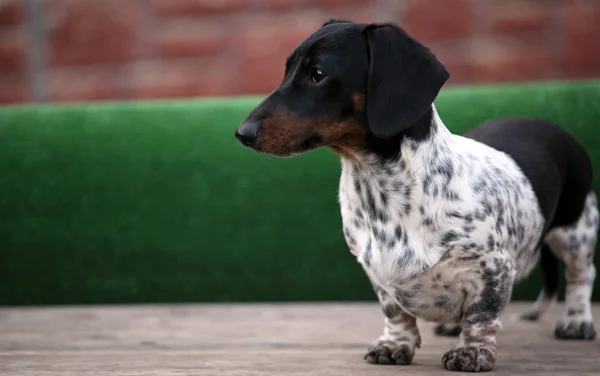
247,132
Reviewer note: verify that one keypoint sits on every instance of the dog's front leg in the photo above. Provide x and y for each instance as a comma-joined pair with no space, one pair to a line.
490,292
400,335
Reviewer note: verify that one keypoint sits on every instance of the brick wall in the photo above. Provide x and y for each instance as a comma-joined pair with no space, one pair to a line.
65,50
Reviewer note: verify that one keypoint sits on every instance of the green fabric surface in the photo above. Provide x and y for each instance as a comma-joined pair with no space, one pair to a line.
157,202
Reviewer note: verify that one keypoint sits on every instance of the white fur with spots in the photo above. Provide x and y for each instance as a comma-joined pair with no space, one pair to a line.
447,229
576,245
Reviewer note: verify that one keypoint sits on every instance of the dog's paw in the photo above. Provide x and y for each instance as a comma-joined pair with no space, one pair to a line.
447,330
575,329
469,359
389,352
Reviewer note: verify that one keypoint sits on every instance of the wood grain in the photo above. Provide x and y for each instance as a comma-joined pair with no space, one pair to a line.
269,339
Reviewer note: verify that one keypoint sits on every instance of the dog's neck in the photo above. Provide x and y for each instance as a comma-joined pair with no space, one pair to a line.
406,156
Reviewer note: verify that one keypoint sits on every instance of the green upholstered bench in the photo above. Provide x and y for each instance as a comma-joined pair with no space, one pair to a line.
157,202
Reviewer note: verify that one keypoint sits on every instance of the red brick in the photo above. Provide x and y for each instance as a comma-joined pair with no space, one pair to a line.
455,57
12,50
340,3
357,13
461,72
12,58
11,12
263,51
515,16
13,87
263,43
83,84
430,20
188,40
179,78
283,5
198,7
92,31
581,41
498,59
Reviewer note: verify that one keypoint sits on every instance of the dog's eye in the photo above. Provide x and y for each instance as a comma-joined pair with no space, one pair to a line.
317,75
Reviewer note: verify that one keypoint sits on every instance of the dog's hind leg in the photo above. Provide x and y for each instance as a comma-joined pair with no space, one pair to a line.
576,244
549,267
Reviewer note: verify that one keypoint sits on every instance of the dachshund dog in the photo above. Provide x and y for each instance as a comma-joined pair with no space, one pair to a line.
443,225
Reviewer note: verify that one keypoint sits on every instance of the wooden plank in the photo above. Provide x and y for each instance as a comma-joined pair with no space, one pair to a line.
254,339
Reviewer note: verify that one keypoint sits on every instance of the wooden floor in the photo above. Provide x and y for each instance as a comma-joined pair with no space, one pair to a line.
290,339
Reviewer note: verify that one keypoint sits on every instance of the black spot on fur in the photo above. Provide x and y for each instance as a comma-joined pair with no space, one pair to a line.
384,198
469,229
454,214
392,243
380,235
468,247
487,207
572,239
490,242
372,208
479,215
448,237
349,238
408,257
357,185
520,232
450,194
414,146
405,240
426,183
441,301
398,232
391,310
479,186
407,192
382,216
367,256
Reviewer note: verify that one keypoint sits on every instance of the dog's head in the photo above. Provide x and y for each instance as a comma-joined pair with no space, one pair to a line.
345,84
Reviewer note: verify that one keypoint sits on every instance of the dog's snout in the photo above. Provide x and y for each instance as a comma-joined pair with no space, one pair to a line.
247,132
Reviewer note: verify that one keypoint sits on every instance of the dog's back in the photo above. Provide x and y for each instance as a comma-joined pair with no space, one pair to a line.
557,166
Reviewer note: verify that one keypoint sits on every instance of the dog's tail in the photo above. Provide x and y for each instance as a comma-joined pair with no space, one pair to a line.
549,266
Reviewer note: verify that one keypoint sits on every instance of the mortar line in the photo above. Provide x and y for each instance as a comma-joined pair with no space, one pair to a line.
36,50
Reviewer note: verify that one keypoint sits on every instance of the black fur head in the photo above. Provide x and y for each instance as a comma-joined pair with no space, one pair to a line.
349,86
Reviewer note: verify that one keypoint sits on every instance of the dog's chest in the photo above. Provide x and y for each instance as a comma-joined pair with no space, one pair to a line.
378,215
399,224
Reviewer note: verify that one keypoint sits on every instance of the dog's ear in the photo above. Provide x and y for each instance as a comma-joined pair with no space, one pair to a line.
404,79
336,21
